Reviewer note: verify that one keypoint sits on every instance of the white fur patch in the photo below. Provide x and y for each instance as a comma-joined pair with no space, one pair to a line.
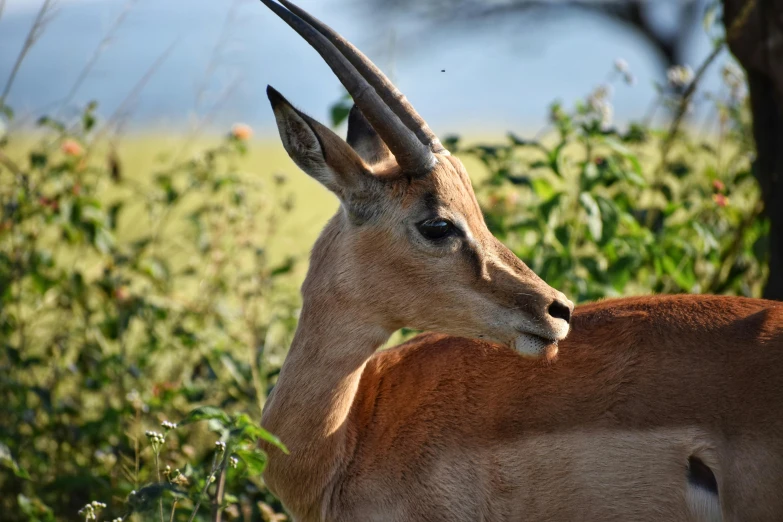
534,346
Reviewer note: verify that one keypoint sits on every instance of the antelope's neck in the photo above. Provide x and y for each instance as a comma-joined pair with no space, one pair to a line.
310,403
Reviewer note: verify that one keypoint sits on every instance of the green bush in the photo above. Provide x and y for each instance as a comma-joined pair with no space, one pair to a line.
600,212
106,335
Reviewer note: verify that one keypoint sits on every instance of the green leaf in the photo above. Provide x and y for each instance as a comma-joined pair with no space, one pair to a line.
621,271
522,142
341,109
7,460
594,223
88,121
284,268
154,268
38,160
255,460
683,278
339,114
554,158
35,510
679,168
609,219
563,234
206,413
113,214
542,188
7,111
548,206
103,240
260,433
626,153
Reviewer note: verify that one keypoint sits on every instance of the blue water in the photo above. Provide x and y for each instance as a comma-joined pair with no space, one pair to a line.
498,75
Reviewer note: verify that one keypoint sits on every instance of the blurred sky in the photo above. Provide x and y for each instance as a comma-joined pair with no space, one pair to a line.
498,75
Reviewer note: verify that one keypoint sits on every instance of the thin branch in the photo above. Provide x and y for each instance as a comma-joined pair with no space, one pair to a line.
682,108
157,471
207,483
627,12
217,502
217,51
731,33
122,112
41,19
104,43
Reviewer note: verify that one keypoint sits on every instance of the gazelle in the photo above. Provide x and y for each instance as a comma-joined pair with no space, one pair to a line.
656,409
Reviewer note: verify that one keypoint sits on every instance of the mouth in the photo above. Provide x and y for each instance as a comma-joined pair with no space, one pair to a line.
535,347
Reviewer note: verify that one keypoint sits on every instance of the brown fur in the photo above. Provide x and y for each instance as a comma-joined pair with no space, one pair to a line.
447,428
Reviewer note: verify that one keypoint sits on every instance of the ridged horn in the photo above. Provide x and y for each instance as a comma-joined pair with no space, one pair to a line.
394,99
412,155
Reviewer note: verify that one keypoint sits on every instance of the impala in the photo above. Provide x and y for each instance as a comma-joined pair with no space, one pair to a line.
656,409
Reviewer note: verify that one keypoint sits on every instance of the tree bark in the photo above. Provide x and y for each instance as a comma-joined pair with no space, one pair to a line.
755,36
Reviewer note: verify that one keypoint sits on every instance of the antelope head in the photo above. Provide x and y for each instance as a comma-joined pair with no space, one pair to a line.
409,246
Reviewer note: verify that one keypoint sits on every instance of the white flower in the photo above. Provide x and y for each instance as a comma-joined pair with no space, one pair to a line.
732,74
679,76
90,511
621,66
155,437
734,79
233,461
169,425
220,446
598,102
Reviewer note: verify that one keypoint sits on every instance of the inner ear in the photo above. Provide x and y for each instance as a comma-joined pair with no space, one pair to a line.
328,158
318,151
364,140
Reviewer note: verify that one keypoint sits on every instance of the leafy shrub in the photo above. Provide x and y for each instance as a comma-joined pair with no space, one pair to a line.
603,212
105,335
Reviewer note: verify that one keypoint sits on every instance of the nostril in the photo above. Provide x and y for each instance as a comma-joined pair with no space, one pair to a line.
559,310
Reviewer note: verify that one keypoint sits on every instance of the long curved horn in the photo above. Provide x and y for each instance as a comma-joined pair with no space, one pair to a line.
396,101
412,155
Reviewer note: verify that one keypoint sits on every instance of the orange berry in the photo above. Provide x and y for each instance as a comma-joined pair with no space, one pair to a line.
721,200
241,131
71,148
122,294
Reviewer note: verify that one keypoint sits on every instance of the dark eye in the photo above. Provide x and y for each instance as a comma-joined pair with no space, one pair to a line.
434,229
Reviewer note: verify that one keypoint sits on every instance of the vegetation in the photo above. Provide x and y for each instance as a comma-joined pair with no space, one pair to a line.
606,212
144,312
106,336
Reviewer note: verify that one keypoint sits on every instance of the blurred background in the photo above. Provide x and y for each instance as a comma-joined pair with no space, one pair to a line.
474,67
154,233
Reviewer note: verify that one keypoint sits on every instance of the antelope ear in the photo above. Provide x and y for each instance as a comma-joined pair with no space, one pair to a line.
364,140
319,152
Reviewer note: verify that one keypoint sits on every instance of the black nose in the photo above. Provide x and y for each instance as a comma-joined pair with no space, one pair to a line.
559,310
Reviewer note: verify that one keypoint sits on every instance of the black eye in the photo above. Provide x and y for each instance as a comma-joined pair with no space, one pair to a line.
434,229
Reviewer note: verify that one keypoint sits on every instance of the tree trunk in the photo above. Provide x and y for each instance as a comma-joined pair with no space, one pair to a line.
755,36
